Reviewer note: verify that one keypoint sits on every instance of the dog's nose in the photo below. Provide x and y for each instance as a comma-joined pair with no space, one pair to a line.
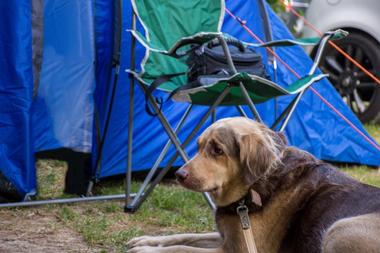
181,174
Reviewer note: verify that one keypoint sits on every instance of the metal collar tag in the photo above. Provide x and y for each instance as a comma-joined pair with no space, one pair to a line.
242,211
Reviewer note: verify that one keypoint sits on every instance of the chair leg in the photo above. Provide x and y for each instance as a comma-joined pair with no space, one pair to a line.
168,129
241,111
291,111
287,113
156,165
179,148
213,117
230,62
128,176
251,106
135,205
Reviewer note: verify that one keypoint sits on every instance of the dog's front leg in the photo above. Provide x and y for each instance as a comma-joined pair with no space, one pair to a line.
173,249
208,240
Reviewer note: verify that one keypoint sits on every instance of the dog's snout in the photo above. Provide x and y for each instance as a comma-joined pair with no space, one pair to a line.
181,174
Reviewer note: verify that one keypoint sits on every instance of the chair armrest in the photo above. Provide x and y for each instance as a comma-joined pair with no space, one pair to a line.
311,41
338,34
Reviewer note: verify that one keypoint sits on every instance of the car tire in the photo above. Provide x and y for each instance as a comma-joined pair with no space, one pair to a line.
359,91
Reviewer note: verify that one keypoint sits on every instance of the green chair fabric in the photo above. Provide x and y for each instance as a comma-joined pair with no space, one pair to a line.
259,89
167,21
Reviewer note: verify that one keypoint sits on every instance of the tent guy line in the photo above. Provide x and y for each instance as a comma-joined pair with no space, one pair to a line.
243,24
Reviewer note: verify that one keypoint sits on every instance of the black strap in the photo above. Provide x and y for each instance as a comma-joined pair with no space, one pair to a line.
198,83
183,87
192,48
154,85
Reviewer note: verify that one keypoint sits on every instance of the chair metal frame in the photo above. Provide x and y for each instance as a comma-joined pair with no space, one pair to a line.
134,200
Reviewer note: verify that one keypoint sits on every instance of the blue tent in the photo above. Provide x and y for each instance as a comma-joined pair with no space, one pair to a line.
75,83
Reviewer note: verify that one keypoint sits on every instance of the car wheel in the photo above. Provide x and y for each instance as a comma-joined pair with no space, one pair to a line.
358,90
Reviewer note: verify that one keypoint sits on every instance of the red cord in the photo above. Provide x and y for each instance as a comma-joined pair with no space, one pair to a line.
246,28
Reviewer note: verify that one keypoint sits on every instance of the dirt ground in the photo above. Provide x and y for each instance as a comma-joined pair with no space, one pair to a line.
32,231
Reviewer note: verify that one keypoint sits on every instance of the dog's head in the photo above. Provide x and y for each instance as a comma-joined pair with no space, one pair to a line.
233,153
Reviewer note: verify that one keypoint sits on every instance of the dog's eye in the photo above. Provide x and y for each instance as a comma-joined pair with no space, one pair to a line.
217,151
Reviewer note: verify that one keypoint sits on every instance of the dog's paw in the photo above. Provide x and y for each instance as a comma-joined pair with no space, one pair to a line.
144,241
144,249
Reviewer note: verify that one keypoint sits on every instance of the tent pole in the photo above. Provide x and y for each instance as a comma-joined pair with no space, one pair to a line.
116,64
269,37
103,139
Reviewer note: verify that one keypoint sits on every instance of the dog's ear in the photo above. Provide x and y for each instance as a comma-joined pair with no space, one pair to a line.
280,139
259,154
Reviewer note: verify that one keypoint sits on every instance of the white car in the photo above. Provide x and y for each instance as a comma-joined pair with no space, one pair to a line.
362,19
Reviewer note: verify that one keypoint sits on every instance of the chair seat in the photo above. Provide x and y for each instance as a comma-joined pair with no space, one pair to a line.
209,88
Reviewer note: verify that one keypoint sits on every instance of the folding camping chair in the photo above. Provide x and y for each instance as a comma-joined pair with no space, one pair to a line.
170,28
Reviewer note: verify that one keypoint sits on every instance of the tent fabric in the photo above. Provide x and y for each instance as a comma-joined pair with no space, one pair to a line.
104,11
313,127
75,91
16,87
63,108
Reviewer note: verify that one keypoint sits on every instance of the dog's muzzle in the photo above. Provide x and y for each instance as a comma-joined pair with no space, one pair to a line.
181,174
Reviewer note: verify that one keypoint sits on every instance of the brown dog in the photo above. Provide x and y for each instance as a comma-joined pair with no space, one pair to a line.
305,205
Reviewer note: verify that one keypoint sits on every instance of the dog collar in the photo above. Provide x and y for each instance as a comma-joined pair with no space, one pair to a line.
252,200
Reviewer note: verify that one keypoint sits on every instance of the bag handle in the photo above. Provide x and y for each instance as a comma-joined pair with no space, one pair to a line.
230,41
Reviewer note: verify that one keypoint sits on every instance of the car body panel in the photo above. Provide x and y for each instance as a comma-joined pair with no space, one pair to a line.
362,19
327,15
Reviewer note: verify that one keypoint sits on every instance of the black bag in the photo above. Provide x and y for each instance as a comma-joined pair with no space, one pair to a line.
209,59
208,63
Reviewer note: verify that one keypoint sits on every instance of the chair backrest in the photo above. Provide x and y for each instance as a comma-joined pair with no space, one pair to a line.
166,21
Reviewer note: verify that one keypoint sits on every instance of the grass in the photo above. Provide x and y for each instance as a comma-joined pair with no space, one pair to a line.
364,174
170,208
374,131
50,175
